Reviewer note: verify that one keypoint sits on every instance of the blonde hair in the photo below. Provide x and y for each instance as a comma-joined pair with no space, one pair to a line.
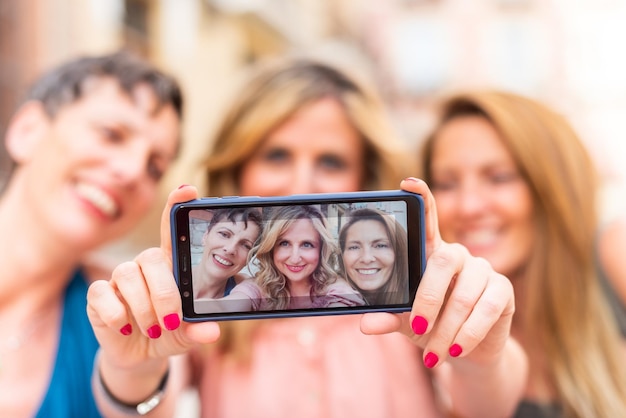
565,315
273,283
275,91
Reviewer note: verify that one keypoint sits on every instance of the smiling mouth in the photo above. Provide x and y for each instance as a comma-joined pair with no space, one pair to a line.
367,272
222,261
98,198
295,269
479,238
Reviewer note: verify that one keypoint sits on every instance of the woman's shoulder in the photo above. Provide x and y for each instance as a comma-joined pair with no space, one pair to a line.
340,293
249,287
340,285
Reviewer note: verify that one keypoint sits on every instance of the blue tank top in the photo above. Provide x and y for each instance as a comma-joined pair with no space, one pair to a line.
69,393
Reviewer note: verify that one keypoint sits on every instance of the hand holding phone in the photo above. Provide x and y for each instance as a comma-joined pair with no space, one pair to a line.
303,255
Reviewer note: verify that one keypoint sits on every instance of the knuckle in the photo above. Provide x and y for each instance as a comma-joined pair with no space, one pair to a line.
430,297
151,256
491,308
462,302
165,295
97,289
472,334
443,257
125,271
483,264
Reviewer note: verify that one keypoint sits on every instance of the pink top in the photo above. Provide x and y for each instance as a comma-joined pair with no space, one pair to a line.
339,293
318,367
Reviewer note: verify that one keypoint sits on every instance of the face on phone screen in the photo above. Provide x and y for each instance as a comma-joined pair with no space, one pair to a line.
296,259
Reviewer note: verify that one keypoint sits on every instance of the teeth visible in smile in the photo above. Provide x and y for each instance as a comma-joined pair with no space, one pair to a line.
480,237
97,197
222,261
367,271
295,268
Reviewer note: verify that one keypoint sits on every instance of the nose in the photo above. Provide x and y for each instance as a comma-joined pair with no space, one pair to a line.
294,257
303,177
367,256
471,198
229,247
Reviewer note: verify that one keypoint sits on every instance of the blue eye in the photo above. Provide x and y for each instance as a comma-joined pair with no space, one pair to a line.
442,185
276,155
332,162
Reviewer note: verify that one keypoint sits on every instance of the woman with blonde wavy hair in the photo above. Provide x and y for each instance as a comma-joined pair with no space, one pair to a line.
515,185
301,126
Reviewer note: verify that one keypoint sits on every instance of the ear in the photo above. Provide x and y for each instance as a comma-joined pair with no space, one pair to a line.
26,130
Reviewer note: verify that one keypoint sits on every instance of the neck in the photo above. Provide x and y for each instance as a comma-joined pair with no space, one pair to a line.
209,287
36,265
300,288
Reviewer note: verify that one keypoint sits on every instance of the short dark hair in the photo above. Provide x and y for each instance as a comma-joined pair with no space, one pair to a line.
244,215
66,83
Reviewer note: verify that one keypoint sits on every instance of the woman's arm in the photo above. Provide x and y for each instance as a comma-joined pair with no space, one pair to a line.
461,318
136,318
491,389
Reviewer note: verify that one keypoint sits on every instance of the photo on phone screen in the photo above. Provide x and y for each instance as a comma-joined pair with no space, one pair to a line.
307,255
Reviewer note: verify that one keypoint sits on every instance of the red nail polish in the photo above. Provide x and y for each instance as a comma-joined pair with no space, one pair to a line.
154,331
455,350
182,185
412,179
419,325
126,329
171,321
431,360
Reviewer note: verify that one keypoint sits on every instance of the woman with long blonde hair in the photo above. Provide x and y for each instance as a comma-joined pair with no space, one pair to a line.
516,186
250,141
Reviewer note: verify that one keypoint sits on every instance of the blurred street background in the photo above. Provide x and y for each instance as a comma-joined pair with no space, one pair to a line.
567,53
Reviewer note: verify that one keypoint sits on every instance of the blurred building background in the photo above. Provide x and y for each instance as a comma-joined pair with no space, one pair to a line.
567,53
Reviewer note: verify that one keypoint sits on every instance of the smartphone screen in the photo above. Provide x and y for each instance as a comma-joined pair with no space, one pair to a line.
325,254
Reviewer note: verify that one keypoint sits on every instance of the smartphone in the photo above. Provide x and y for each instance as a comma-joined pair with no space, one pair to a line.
301,255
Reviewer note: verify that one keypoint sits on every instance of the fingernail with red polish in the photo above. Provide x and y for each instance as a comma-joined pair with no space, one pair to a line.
455,350
154,331
419,325
126,329
171,321
430,360
182,185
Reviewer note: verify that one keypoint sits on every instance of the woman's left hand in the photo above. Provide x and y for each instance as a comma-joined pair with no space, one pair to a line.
462,307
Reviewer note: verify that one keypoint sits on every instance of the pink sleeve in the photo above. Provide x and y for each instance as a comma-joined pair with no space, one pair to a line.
339,293
249,289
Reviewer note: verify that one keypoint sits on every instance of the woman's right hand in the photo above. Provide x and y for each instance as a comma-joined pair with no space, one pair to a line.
136,314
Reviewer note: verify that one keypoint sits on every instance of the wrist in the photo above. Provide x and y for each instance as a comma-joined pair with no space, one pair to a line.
142,392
